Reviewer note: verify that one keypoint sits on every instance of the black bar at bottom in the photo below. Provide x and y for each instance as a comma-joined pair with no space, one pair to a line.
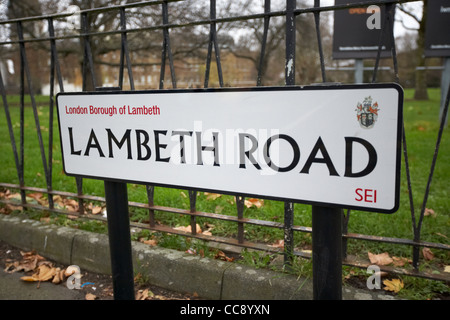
119,240
327,253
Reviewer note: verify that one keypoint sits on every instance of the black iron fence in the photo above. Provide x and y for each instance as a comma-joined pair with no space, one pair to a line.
21,33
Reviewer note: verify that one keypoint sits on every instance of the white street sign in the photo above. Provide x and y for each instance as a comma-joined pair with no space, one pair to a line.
328,145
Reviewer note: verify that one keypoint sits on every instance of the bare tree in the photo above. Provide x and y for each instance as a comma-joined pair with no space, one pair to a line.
420,75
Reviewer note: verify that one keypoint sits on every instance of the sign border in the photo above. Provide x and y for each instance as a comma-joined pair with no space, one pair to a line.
319,86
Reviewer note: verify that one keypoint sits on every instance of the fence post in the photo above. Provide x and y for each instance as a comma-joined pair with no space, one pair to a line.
327,253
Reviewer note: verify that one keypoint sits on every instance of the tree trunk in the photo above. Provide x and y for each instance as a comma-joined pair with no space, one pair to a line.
421,75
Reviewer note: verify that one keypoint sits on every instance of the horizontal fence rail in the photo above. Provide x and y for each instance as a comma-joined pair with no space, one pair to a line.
22,40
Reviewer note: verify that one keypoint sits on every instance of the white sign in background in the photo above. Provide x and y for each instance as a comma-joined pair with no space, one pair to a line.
215,140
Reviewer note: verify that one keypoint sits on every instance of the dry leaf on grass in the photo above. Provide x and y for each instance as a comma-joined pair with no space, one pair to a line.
189,228
39,197
427,254
71,205
212,196
400,262
382,259
151,242
253,202
429,212
96,210
278,244
394,285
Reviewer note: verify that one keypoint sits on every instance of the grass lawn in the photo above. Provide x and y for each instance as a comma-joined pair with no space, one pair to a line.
421,120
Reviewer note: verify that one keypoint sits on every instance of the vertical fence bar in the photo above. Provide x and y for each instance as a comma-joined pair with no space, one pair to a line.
50,117
150,198
290,43
289,80
192,206
54,66
124,53
167,50
87,60
11,133
319,40
240,213
33,103
390,11
288,234
384,31
346,218
213,42
417,228
264,42
22,129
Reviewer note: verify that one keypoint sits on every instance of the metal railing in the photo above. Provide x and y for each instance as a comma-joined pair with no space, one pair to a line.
165,26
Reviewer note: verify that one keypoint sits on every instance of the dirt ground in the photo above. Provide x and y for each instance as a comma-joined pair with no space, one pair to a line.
95,286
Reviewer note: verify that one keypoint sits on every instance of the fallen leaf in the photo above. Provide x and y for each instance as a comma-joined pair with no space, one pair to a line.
278,244
59,276
447,269
38,196
381,259
151,242
222,256
394,285
207,231
28,278
71,205
400,262
144,294
429,212
189,228
218,209
13,208
96,210
29,262
14,196
427,254
212,196
90,296
42,273
45,219
253,202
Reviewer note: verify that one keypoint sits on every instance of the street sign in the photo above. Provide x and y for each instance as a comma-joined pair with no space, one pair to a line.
357,32
329,145
437,36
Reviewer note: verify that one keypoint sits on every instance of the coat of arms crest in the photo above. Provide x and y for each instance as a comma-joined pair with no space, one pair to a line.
367,113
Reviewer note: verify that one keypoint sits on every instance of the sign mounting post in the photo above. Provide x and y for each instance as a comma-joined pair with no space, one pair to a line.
116,196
